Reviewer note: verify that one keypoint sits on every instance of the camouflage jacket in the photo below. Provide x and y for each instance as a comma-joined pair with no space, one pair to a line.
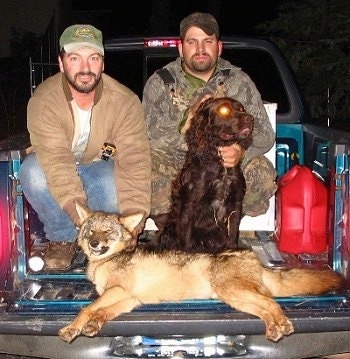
165,106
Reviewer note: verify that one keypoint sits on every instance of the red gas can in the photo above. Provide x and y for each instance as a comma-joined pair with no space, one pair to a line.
301,216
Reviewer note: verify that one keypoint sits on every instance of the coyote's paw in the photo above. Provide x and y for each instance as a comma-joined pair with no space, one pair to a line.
287,327
275,332
69,333
91,328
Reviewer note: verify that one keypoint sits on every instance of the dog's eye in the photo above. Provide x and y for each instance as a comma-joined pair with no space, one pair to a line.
108,231
224,110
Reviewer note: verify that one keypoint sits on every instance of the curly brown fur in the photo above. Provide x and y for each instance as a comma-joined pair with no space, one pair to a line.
126,279
206,198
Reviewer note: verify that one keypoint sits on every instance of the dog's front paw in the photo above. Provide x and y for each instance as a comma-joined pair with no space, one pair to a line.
69,333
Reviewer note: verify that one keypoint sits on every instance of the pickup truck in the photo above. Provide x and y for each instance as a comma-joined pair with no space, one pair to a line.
34,305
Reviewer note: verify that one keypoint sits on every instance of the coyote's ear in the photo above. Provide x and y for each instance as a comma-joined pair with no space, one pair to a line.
83,211
131,221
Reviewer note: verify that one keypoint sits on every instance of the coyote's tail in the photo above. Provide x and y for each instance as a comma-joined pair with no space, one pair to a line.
300,281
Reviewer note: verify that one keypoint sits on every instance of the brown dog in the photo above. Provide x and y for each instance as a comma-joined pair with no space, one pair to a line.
126,277
206,197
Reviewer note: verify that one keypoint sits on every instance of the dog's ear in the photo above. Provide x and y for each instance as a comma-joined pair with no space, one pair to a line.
131,221
196,137
83,212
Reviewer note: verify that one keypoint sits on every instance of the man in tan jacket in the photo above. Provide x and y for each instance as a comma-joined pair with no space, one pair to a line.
90,145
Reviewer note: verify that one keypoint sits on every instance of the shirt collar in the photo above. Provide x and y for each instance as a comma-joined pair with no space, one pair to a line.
194,81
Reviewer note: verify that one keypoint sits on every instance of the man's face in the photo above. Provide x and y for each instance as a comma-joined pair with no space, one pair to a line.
82,68
200,52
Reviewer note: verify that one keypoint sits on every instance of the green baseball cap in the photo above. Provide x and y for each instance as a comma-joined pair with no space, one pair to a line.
78,36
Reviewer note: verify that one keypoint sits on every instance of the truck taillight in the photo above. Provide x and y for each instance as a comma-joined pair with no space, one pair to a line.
161,43
4,221
1,239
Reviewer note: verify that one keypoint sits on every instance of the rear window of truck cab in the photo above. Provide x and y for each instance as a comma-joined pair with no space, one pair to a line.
132,66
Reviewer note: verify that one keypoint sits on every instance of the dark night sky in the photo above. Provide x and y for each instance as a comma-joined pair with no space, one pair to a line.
235,17
130,17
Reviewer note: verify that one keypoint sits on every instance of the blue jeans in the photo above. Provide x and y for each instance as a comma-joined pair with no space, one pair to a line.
98,178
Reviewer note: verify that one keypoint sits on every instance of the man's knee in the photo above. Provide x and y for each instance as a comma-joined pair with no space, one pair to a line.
99,183
160,195
164,171
31,174
260,176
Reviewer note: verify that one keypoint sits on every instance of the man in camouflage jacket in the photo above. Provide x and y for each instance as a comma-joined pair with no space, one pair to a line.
198,73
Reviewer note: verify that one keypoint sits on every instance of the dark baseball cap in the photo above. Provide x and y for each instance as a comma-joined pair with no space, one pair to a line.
204,21
78,36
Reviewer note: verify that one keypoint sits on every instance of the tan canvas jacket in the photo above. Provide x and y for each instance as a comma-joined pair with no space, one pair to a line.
117,117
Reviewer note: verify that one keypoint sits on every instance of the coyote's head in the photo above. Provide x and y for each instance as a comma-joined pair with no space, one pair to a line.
104,234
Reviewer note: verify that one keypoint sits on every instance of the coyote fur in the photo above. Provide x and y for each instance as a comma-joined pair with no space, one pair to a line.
127,277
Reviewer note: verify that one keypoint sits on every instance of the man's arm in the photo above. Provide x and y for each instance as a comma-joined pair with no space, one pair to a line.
162,119
133,160
244,90
157,110
53,150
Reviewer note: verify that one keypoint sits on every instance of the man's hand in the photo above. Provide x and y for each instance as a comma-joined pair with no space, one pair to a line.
231,155
139,228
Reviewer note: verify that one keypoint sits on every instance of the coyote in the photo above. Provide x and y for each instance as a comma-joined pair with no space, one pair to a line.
126,277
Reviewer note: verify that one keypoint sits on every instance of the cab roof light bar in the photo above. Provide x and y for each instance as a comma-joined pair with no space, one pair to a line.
162,42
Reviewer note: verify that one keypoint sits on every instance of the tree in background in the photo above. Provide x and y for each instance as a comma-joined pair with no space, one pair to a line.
315,37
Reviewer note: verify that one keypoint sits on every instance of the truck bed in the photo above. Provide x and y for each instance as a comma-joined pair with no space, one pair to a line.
34,305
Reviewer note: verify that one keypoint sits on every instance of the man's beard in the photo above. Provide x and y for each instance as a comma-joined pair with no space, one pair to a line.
201,66
84,87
